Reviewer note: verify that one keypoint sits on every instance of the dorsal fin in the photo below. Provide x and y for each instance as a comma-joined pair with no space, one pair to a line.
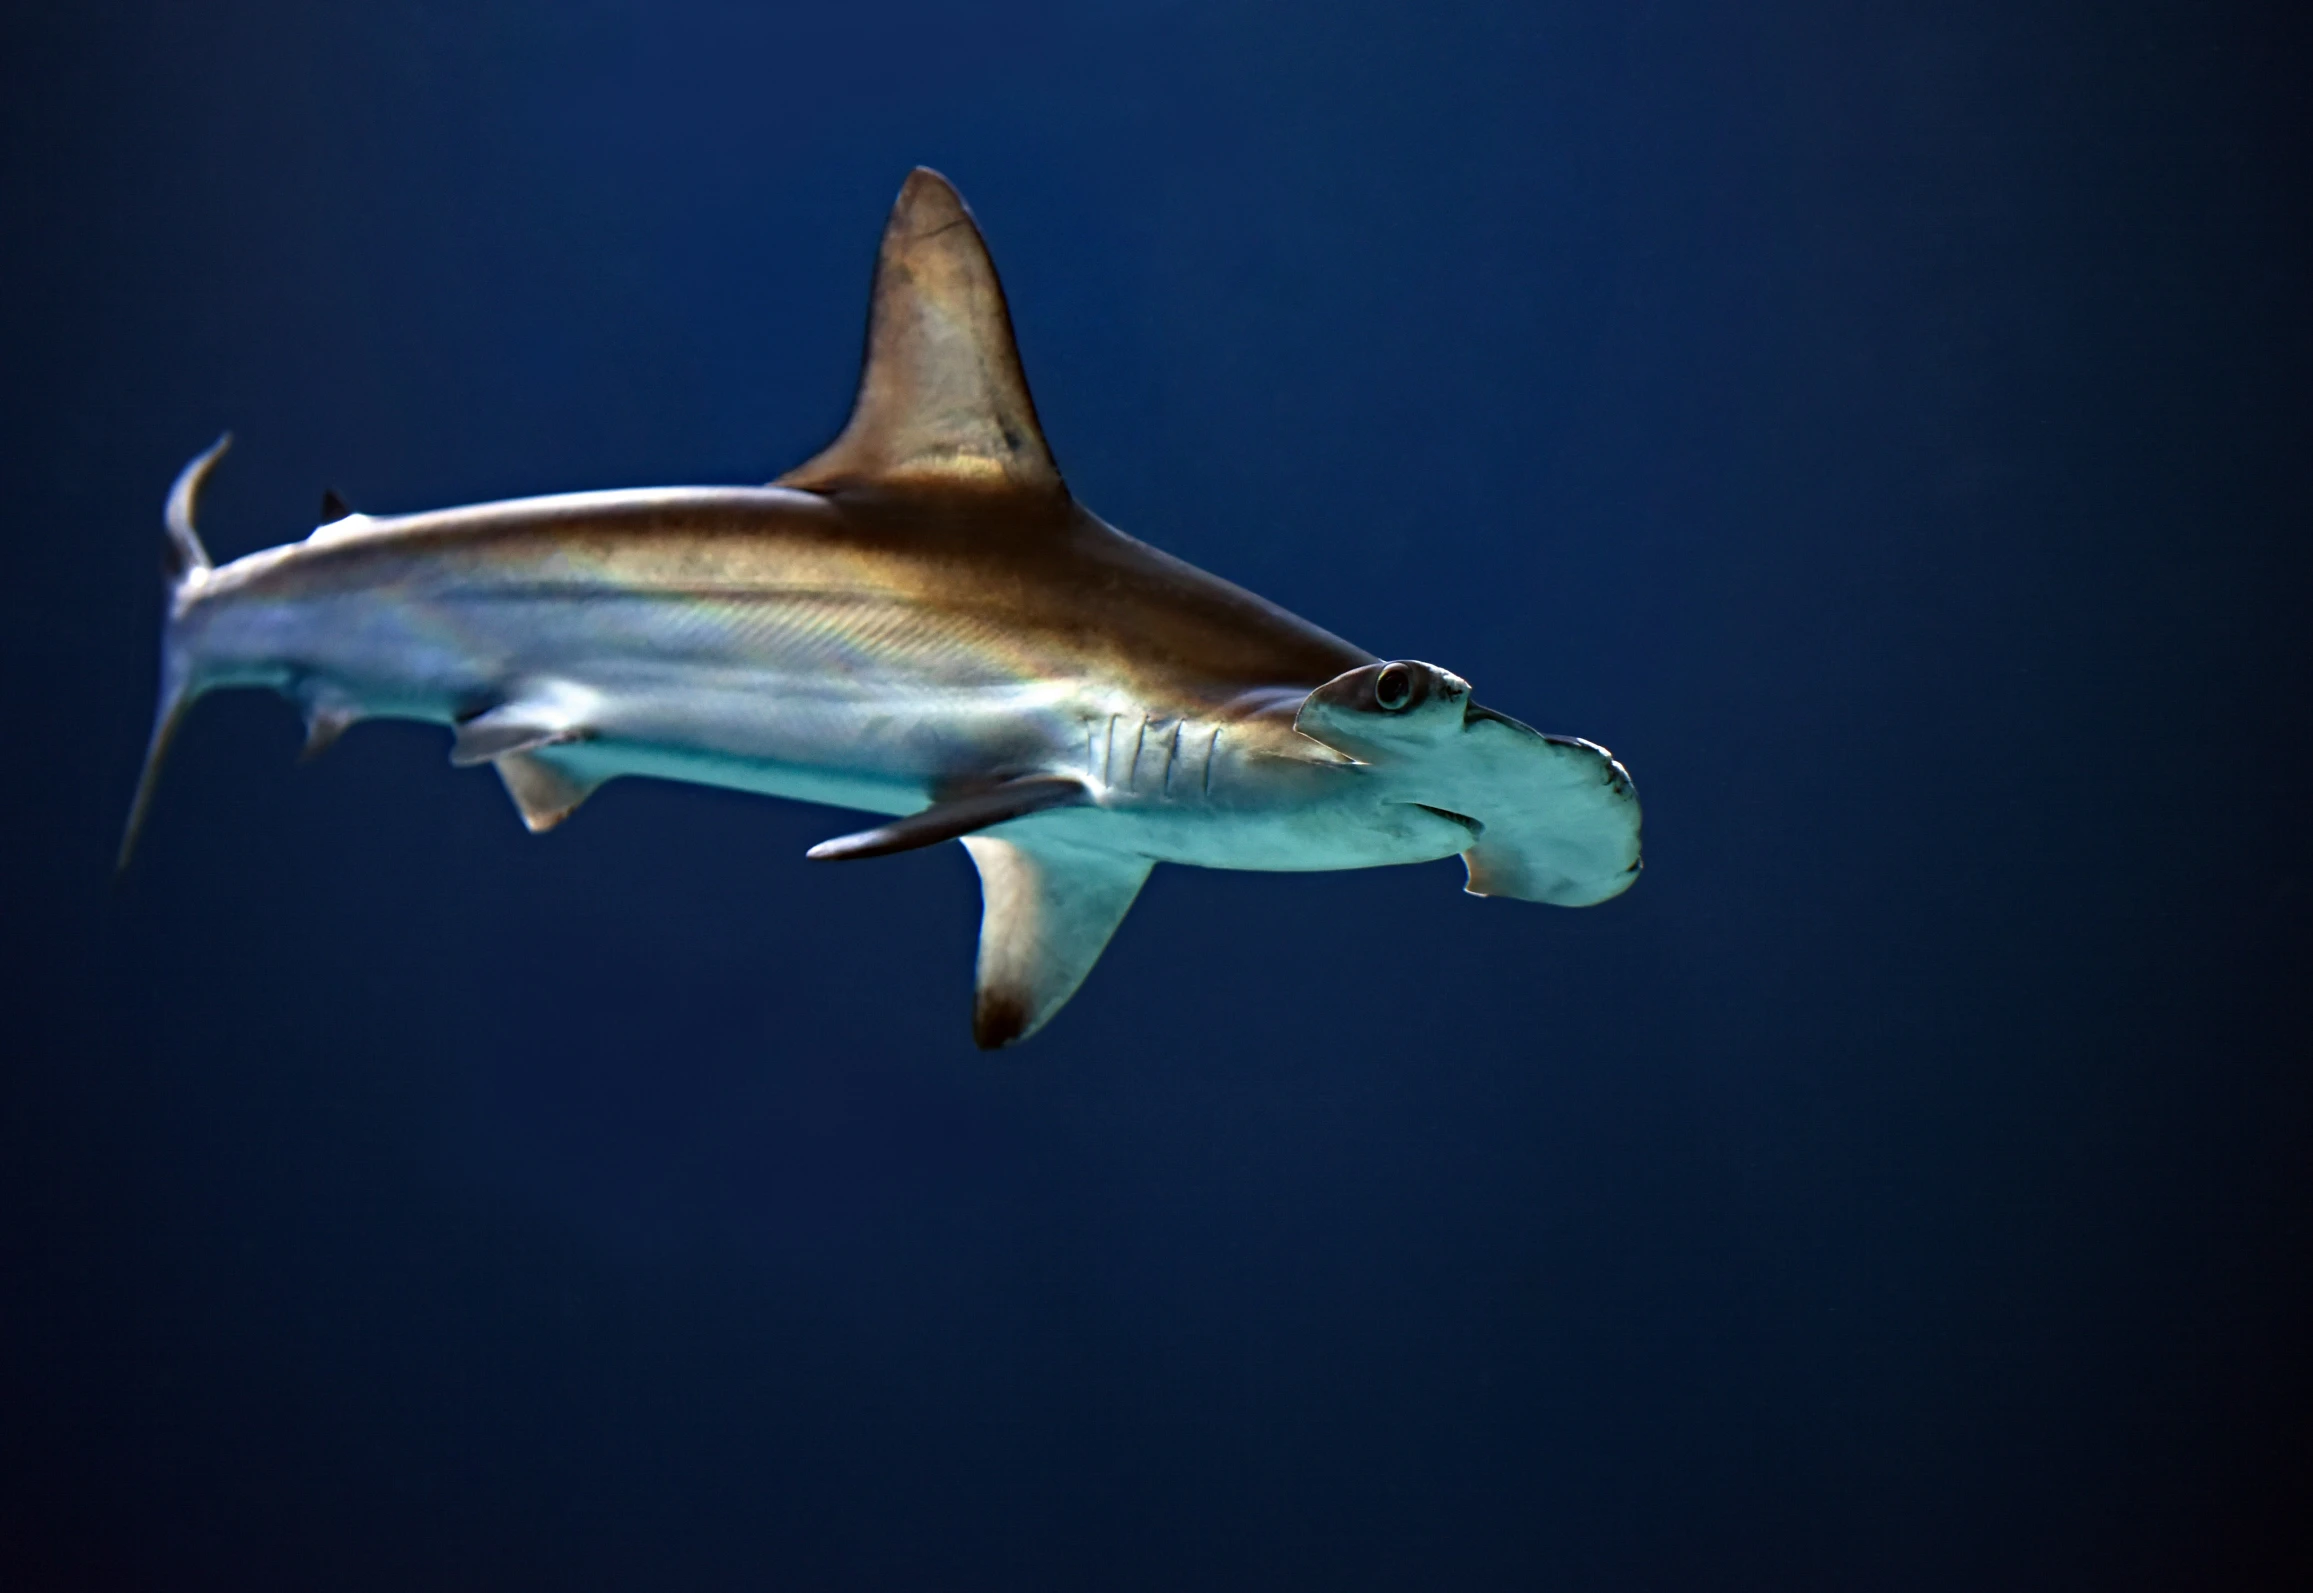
333,507
942,399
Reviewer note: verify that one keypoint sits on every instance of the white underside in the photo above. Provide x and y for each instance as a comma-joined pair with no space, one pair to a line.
884,723
1353,828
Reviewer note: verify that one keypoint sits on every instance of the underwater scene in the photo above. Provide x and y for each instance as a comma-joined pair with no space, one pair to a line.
1619,691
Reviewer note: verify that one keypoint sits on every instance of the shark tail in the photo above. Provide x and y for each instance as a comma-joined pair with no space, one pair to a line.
185,565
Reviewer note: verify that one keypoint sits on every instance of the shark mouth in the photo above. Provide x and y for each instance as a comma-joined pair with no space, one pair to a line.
1475,828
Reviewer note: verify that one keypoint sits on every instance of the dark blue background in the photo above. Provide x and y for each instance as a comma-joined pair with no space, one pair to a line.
1886,426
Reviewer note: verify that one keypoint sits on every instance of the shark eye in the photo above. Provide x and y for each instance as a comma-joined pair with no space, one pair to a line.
1393,688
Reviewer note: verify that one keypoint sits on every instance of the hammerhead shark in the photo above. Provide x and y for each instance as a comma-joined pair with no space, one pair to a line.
921,623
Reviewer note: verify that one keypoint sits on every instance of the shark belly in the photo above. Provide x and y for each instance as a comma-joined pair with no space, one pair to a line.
851,702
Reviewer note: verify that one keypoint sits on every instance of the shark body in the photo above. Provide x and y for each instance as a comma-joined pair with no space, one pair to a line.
920,623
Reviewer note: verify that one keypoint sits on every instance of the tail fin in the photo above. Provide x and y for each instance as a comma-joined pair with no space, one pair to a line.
184,564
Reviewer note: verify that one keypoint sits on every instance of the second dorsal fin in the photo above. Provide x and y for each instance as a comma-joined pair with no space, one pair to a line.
942,400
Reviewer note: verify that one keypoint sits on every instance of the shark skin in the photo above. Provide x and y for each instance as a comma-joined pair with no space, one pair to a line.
920,623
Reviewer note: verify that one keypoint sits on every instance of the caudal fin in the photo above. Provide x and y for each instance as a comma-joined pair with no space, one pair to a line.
185,565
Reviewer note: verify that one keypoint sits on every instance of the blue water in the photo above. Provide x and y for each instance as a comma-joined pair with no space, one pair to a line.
1884,427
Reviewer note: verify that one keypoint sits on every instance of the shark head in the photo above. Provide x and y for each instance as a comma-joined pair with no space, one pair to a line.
1557,817
1386,713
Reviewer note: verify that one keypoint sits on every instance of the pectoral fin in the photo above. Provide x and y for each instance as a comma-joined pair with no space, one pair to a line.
1048,909
947,821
